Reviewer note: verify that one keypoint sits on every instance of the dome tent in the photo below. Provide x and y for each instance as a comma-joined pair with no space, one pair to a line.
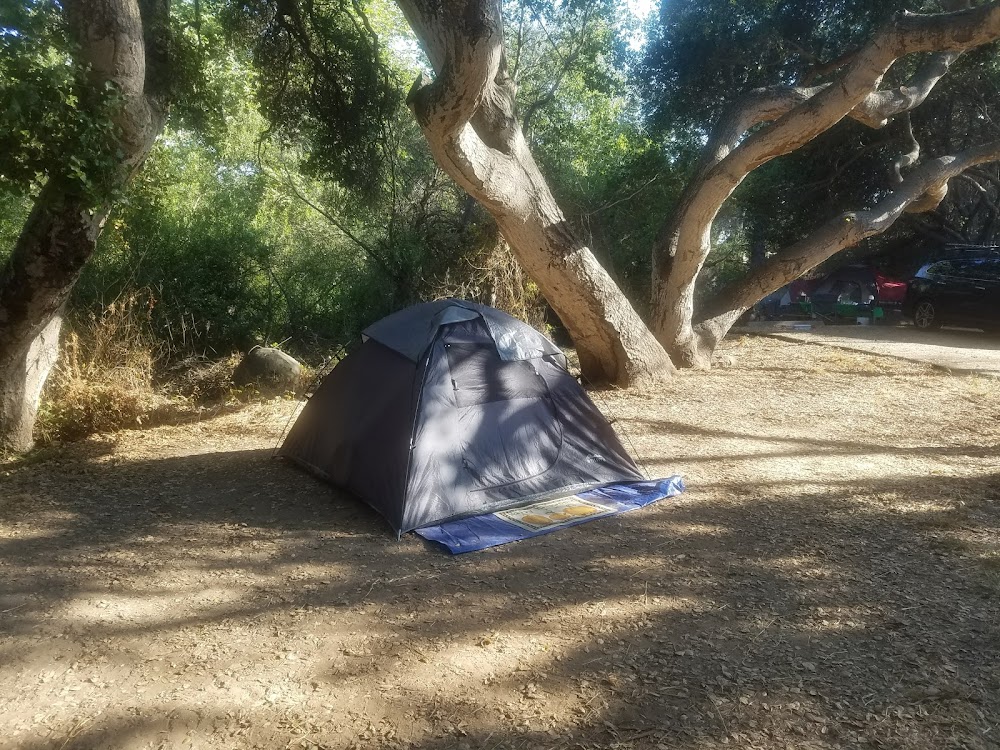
451,409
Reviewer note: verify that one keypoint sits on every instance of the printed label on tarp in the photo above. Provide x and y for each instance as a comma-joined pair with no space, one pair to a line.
551,513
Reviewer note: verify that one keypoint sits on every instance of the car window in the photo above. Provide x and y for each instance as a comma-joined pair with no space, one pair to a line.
977,269
990,269
942,268
967,269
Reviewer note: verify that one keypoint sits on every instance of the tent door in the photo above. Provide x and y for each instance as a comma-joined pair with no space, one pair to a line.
508,427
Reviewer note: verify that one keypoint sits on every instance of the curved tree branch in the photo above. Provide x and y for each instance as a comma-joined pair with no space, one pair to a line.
468,118
796,116
910,158
845,231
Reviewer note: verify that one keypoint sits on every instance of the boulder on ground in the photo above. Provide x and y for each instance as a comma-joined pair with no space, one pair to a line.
269,370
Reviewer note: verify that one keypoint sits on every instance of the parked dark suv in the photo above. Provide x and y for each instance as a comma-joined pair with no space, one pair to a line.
959,291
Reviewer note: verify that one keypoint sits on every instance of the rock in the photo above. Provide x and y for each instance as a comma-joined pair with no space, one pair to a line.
270,370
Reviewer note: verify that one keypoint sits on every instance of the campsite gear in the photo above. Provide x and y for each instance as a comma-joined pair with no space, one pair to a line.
545,516
853,280
452,409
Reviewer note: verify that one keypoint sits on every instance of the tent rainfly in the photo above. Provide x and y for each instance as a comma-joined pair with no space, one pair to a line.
451,409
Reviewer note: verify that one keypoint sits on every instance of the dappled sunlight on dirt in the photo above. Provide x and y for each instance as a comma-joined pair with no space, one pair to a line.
830,579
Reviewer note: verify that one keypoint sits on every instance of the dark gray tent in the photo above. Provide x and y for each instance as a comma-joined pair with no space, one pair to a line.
451,409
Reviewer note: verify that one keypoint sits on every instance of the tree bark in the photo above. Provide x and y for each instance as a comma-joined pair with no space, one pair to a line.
467,115
795,115
123,43
21,387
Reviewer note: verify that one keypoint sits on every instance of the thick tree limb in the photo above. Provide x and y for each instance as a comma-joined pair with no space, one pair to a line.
771,103
843,232
464,41
796,116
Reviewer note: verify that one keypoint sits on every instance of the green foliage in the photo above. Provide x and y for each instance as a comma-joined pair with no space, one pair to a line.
324,83
54,124
614,182
240,247
210,80
187,232
14,209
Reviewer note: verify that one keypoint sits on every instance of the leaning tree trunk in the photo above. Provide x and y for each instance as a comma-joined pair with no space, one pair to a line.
467,115
790,117
123,44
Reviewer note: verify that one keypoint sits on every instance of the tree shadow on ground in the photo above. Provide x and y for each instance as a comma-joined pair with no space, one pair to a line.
811,446
780,616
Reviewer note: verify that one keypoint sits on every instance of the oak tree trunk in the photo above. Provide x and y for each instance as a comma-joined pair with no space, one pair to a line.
21,387
123,43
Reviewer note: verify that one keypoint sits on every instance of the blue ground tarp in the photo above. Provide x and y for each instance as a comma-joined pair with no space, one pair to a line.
492,529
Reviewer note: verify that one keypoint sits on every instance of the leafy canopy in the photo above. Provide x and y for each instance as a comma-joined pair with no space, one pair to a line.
54,123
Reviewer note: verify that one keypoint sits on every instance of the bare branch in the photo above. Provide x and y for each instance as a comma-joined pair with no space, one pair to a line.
940,233
368,249
984,194
566,63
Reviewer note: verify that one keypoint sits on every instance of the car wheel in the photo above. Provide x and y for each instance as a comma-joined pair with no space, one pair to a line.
925,316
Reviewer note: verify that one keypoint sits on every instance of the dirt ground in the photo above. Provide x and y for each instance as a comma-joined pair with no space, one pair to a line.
831,578
961,351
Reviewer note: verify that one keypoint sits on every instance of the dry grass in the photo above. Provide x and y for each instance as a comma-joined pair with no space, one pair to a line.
494,277
104,378
111,376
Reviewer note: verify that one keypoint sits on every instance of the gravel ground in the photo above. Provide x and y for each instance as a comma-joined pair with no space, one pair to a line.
830,579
